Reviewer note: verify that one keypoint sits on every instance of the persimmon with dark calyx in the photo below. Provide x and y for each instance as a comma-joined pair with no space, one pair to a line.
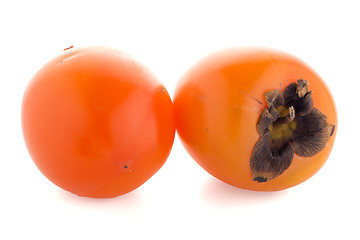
96,122
255,118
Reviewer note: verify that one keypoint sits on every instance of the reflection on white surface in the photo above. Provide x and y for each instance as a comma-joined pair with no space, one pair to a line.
219,194
130,202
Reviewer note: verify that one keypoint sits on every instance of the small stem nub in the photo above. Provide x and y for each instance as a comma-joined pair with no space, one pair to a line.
286,119
291,113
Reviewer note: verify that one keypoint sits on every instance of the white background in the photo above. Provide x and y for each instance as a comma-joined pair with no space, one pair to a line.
181,201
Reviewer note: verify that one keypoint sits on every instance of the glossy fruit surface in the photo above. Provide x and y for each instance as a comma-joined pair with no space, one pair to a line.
96,122
218,103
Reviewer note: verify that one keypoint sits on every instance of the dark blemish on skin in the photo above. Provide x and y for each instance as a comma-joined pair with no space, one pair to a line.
125,166
206,130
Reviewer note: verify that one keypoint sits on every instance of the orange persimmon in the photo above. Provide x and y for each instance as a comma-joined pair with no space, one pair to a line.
96,122
255,118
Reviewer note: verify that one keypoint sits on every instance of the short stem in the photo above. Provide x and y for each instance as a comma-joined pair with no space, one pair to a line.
286,119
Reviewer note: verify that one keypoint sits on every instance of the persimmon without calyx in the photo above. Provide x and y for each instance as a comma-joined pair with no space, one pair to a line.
256,118
96,122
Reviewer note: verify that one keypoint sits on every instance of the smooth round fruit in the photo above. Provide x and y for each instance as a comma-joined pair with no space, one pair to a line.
96,122
218,104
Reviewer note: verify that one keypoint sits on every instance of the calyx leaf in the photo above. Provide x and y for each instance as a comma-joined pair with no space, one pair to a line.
269,161
311,134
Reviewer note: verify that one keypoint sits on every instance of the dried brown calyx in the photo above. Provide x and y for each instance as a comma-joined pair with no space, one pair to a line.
289,125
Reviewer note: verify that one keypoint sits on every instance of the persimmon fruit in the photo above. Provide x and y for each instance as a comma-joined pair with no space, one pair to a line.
96,122
255,118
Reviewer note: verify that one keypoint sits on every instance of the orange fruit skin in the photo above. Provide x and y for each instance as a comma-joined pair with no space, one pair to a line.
96,122
218,103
